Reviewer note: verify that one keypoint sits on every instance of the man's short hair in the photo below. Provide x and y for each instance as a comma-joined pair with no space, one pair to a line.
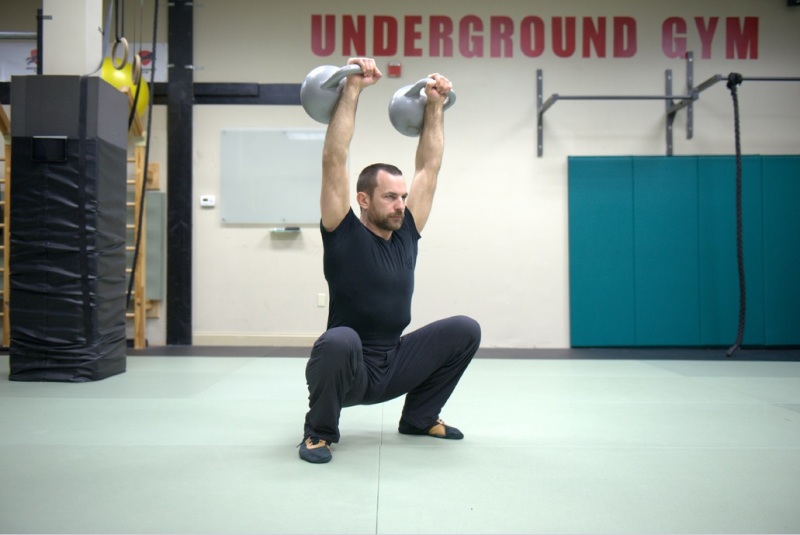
368,179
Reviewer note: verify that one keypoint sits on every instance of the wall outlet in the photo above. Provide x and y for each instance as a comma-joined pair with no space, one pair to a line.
208,200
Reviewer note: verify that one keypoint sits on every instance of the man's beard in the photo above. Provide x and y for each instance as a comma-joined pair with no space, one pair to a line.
389,223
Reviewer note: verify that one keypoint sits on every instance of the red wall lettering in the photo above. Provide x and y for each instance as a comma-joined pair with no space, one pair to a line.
624,37
594,36
741,41
674,47
441,36
412,35
319,47
502,28
501,36
470,46
531,33
563,40
354,36
706,34
384,40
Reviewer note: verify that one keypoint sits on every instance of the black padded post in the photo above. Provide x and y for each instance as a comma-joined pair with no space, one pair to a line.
68,217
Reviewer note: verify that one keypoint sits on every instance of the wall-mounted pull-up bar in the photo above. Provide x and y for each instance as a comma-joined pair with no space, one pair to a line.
669,99
672,107
719,78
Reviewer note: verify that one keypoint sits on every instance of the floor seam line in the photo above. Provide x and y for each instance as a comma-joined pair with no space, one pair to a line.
378,483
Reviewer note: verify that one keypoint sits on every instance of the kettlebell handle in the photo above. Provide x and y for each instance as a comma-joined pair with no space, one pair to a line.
414,92
337,77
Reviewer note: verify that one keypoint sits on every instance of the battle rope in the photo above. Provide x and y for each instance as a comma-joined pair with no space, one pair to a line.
735,80
137,81
146,159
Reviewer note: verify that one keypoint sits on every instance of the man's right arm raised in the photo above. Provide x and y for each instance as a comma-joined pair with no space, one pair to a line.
335,194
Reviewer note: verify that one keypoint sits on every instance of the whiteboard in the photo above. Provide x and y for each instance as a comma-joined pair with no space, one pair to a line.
270,176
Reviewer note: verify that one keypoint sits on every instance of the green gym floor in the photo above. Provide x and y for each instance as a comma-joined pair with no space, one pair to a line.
203,440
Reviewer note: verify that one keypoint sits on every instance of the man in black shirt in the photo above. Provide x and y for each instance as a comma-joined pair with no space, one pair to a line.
363,357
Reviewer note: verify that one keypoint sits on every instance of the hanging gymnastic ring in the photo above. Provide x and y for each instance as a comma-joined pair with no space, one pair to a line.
137,69
124,60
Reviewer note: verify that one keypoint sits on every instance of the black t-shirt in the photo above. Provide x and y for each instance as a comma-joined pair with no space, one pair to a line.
370,280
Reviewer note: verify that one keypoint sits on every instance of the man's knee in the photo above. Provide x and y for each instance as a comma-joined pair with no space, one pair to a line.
467,327
335,348
339,339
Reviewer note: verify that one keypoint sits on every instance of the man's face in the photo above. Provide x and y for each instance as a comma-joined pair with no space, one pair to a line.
386,208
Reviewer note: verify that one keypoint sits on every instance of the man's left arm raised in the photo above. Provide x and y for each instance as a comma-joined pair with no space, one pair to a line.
430,150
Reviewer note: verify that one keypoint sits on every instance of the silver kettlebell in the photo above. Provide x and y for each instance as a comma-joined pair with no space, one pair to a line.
407,107
321,89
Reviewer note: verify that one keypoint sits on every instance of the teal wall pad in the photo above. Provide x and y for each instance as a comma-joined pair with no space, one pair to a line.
652,245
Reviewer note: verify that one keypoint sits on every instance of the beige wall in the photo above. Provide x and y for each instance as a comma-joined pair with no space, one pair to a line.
496,245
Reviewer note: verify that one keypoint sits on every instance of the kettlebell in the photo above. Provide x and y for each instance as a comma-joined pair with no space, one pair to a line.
321,89
407,107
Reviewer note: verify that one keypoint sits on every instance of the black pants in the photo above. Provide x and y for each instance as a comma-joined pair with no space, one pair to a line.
426,365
